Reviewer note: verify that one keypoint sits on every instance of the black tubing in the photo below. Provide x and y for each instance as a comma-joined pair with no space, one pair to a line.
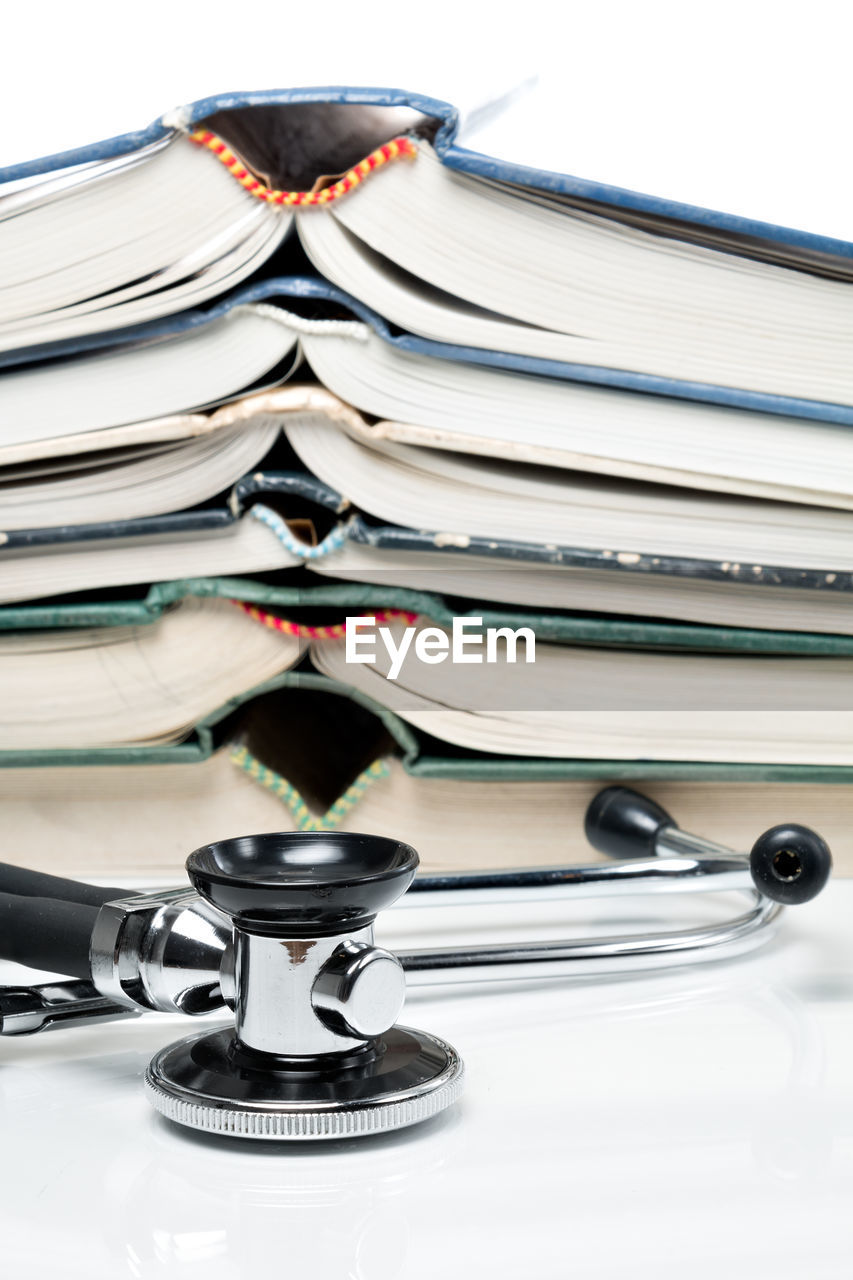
44,933
623,824
37,884
790,864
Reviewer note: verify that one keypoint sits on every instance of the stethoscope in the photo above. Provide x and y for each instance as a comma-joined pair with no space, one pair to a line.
279,927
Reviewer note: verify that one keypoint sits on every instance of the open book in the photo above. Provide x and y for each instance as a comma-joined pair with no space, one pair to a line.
222,543
636,696
448,244
143,227
139,394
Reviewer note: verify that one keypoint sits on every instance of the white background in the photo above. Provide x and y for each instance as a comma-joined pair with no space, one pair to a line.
743,107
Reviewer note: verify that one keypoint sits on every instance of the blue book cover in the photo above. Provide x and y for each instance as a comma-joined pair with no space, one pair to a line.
445,119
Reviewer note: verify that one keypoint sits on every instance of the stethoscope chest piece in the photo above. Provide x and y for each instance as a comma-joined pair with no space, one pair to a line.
315,1052
410,1078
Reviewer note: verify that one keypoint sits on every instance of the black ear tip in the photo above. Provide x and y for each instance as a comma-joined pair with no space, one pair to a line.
598,807
623,824
790,863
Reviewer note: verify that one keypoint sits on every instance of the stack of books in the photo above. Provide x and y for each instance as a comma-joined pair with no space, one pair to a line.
576,463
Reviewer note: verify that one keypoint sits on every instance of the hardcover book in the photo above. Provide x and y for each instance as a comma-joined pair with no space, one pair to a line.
457,247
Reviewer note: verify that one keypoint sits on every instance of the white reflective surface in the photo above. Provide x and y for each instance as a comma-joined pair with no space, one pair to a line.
685,1124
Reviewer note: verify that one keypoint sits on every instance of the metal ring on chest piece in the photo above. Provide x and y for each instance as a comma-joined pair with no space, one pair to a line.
412,1077
314,1052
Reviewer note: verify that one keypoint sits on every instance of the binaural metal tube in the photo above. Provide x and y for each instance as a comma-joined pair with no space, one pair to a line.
672,842
721,872
513,961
